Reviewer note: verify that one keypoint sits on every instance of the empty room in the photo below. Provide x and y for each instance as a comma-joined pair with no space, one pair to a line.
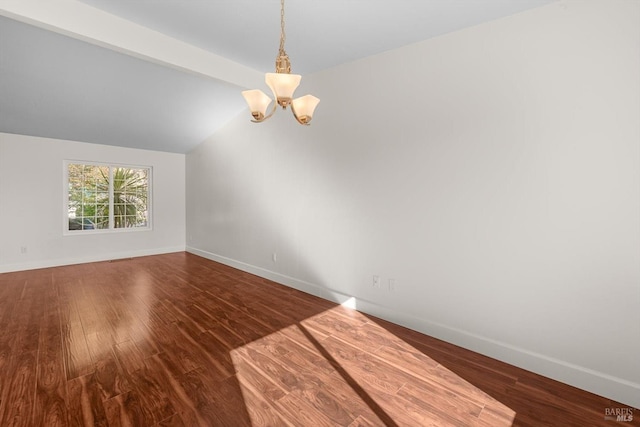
319,213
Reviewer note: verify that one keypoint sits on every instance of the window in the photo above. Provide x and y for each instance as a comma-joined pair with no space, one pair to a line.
106,197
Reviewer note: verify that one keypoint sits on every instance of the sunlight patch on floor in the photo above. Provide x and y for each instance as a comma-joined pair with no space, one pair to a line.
341,368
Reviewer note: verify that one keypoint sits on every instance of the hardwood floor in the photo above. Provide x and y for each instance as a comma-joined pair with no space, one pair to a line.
178,340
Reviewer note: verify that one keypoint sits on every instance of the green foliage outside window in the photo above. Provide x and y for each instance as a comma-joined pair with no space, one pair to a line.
93,202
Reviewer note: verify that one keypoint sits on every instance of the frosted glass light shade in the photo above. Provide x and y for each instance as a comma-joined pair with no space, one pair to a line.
283,86
304,107
258,102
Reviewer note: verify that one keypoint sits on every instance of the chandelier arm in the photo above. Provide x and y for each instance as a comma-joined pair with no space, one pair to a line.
268,116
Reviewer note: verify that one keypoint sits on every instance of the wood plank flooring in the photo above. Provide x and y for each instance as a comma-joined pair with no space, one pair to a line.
178,340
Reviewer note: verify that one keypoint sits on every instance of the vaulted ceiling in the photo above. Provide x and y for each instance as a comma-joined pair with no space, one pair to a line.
165,75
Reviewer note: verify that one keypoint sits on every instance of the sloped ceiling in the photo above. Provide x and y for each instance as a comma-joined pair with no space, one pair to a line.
165,75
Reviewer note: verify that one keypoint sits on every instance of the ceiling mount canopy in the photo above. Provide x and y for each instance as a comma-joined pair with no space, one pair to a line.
282,84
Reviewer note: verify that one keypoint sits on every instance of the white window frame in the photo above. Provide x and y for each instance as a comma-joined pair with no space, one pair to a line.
111,229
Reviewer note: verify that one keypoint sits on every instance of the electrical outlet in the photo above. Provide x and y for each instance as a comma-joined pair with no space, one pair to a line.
274,257
392,285
23,249
376,282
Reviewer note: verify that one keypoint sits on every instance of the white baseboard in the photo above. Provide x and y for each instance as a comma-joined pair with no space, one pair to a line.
618,389
33,265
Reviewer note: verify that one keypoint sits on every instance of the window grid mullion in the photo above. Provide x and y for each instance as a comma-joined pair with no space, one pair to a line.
111,220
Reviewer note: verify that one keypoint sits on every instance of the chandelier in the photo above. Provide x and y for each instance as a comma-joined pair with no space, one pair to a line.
282,84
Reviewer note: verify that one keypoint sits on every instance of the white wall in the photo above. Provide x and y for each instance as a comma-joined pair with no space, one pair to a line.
494,173
31,204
